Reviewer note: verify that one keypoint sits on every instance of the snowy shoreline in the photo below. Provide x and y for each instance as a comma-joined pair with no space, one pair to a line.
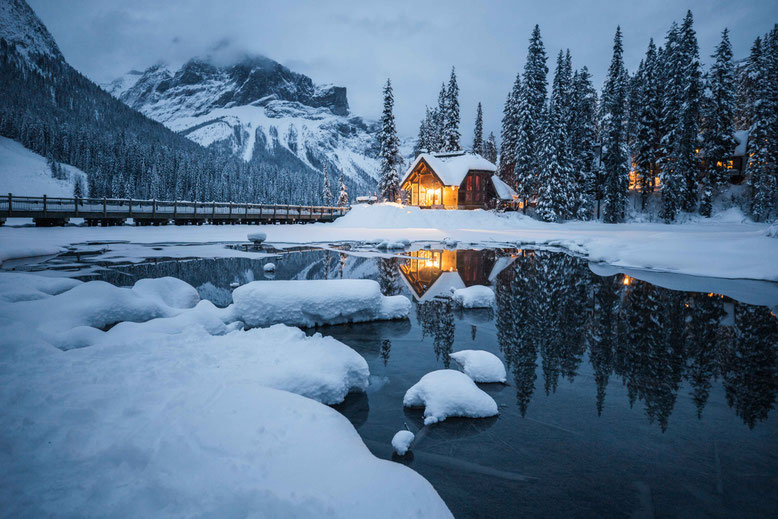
723,247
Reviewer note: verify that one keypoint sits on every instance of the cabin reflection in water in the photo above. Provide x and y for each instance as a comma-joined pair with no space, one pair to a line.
431,273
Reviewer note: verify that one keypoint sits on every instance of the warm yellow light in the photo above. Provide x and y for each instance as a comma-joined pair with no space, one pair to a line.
626,280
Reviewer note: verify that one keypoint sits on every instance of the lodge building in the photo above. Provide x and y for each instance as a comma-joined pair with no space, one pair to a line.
455,180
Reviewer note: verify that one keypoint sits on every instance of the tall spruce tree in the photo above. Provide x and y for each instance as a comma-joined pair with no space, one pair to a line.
490,149
478,132
326,194
583,140
530,107
648,130
389,182
422,140
718,120
508,134
451,134
614,133
343,192
760,167
690,114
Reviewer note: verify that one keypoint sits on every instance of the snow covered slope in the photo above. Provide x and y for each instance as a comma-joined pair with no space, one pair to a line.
24,172
256,108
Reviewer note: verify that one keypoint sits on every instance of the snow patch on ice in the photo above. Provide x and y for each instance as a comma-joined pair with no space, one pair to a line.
481,365
476,296
446,393
401,441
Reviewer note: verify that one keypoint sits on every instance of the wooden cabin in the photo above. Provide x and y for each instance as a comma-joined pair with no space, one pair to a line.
456,180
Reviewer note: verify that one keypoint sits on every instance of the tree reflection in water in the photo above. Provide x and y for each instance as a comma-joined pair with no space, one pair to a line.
653,339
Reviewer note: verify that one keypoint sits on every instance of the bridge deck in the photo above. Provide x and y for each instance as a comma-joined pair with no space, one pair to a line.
110,211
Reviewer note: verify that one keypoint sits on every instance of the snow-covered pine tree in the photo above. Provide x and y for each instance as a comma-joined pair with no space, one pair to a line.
422,144
490,149
478,132
760,168
646,146
689,160
718,115
78,186
614,108
439,137
583,140
389,182
343,196
508,134
326,194
672,99
451,134
530,107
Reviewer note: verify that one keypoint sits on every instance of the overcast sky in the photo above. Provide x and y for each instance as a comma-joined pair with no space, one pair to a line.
359,43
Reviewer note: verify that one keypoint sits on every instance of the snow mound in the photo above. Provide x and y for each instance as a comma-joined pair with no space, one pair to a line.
446,393
772,231
269,267
257,237
316,302
401,441
393,244
476,296
16,287
481,366
169,291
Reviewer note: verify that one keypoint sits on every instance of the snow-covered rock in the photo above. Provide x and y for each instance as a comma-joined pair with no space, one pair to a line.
401,441
476,296
446,393
480,365
316,302
257,237
450,242
269,267
169,291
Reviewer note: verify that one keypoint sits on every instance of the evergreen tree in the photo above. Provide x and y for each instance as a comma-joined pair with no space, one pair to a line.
451,115
508,134
718,117
478,133
761,166
327,189
583,140
530,106
490,149
438,140
78,187
423,141
343,196
614,105
647,133
389,183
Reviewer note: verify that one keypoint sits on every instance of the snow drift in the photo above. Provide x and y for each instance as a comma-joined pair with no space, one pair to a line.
446,393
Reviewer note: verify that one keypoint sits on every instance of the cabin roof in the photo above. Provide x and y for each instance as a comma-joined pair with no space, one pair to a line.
503,190
452,167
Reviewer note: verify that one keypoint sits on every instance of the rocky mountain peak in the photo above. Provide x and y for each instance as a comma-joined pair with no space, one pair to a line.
20,27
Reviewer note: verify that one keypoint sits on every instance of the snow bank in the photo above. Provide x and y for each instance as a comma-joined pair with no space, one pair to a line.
316,302
476,296
772,231
25,287
401,441
168,291
480,365
446,393
257,237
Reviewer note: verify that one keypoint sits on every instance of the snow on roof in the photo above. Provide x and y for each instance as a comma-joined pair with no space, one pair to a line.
452,167
741,136
504,191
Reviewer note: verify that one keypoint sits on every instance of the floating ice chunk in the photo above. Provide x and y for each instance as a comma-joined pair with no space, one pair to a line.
257,237
315,302
480,365
269,267
168,290
401,441
476,296
448,392
449,242
393,244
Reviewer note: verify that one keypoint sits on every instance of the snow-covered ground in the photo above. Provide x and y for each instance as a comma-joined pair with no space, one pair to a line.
726,246
178,411
23,172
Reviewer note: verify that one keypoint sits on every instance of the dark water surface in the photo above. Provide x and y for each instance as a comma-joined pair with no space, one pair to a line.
625,398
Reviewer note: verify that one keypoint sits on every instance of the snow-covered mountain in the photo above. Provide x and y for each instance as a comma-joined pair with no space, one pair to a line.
21,28
259,110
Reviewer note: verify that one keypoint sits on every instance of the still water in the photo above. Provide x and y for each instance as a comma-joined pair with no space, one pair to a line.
625,397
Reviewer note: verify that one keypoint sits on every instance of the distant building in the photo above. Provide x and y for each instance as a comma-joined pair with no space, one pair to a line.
455,180
371,199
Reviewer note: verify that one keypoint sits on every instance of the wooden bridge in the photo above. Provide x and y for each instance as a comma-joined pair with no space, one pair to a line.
50,211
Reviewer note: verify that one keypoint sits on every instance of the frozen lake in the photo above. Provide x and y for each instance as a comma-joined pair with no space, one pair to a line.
628,394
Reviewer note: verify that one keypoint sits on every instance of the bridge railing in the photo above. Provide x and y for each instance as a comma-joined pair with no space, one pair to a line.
58,206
